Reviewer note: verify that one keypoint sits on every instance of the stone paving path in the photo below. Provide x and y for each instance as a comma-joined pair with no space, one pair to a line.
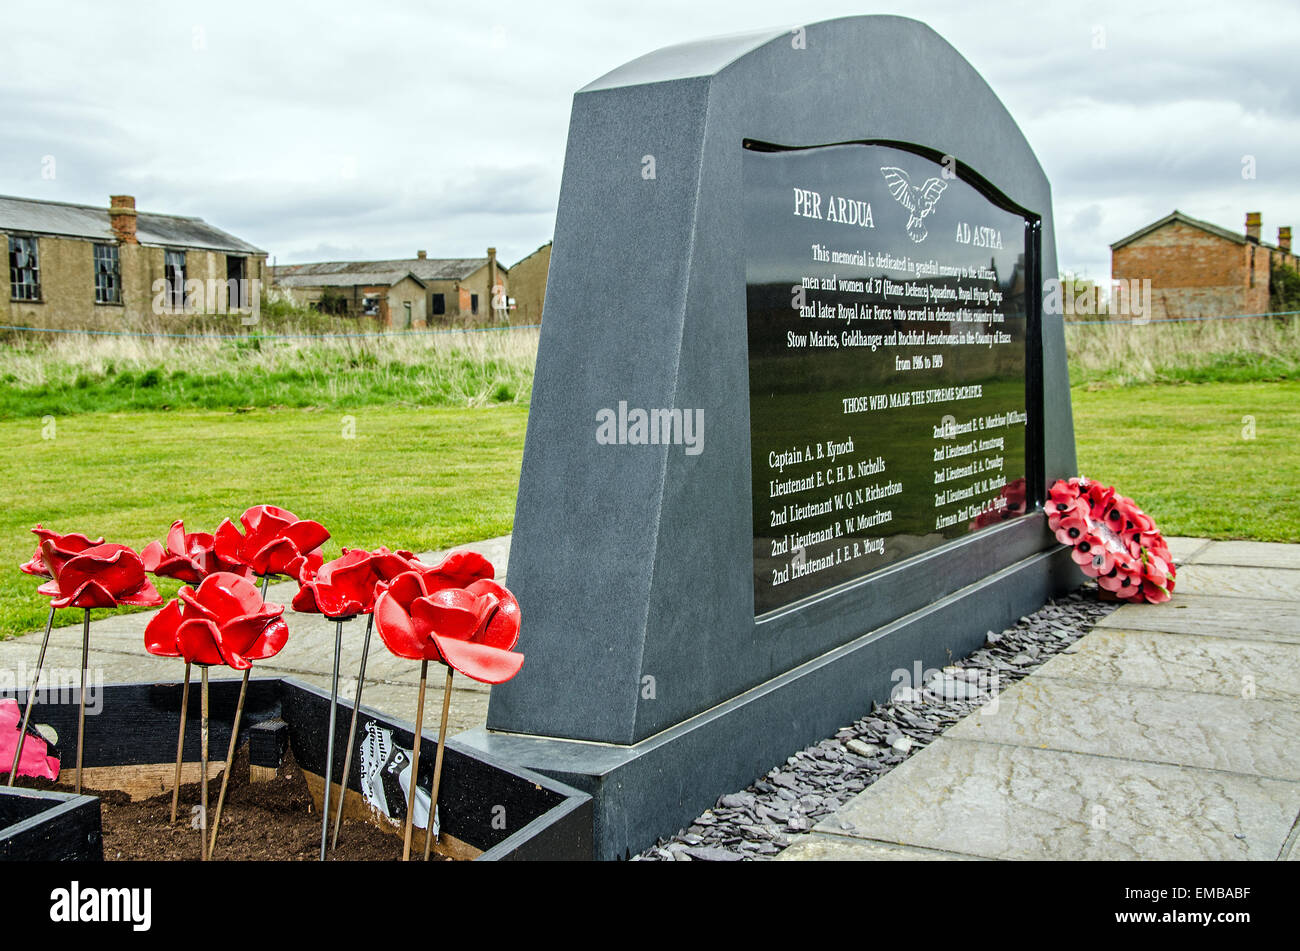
1169,732
117,655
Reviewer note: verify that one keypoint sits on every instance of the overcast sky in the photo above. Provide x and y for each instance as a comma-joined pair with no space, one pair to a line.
366,130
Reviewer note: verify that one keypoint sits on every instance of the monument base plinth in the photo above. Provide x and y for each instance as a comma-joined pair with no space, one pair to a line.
657,786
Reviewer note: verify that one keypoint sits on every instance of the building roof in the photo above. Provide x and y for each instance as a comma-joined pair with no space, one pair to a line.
350,273
534,254
375,278
89,221
1233,236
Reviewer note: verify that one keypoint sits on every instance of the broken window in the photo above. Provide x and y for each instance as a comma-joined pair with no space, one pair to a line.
473,303
370,306
108,275
174,272
439,304
237,290
24,269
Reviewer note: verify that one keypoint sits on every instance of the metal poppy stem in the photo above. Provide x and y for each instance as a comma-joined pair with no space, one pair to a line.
81,713
203,770
266,582
329,743
230,762
437,764
31,696
352,733
415,763
180,742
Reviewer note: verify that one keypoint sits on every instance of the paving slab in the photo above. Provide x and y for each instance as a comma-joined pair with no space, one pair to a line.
1190,662
1248,554
1216,615
1275,584
1185,548
1017,802
1204,730
821,847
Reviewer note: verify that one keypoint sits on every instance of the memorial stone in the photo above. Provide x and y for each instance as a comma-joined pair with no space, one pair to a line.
795,406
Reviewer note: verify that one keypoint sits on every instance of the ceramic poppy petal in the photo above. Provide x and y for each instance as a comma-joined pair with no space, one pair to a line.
407,587
449,612
228,543
398,633
502,630
306,535
198,641
489,665
160,632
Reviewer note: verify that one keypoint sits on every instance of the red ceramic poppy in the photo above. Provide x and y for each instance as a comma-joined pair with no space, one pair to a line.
223,621
102,576
273,540
63,548
472,629
389,564
458,569
342,588
187,557
36,761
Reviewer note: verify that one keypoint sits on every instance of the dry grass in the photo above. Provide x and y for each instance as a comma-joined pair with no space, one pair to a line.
1219,351
70,373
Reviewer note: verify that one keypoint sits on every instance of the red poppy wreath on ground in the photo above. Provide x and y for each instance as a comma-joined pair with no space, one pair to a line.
1114,541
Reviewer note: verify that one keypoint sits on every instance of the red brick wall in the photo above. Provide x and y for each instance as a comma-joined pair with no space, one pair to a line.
1194,273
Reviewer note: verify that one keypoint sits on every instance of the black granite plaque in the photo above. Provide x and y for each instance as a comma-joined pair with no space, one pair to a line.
888,340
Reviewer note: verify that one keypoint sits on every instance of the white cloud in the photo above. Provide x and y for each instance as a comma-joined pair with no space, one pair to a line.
372,130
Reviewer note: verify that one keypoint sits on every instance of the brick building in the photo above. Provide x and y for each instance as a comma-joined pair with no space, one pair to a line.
408,292
528,285
1198,269
98,268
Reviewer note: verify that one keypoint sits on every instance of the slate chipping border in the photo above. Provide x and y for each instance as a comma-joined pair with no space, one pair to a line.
762,820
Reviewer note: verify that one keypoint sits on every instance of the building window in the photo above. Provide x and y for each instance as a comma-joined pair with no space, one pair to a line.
406,311
370,306
108,275
439,304
237,291
24,269
473,303
174,272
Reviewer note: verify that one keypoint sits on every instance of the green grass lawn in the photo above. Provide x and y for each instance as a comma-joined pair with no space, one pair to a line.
409,478
432,478
1183,453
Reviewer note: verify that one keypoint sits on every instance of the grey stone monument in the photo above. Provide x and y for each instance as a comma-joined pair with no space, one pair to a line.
795,409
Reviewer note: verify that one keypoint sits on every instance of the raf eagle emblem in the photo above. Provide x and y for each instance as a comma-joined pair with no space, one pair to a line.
919,200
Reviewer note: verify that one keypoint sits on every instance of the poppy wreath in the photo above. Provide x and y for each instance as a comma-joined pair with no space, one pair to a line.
1114,541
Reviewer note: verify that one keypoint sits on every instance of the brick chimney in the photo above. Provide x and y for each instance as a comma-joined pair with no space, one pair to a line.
1284,239
121,217
1253,226
421,255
